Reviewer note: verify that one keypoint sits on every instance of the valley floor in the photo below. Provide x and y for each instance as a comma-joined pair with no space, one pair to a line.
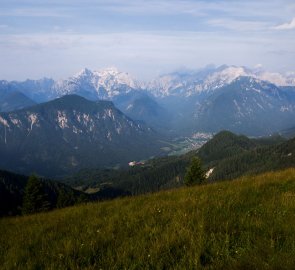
244,224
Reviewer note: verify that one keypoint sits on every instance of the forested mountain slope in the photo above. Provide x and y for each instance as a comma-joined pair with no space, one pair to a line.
228,156
71,133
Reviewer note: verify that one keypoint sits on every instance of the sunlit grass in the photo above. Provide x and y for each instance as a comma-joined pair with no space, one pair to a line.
245,224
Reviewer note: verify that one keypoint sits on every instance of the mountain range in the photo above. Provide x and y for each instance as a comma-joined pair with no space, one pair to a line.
210,99
13,100
70,133
98,119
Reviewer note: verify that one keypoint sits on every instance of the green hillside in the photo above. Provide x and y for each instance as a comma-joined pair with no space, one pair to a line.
156,174
12,189
232,156
229,154
244,224
225,144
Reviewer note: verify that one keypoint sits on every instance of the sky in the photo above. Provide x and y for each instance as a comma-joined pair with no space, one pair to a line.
57,38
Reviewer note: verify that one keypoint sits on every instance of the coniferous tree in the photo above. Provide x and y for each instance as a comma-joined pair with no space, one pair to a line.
194,173
35,199
66,198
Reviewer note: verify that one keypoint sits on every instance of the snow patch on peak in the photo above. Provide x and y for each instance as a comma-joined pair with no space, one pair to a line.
110,78
277,78
206,80
102,84
33,118
225,76
62,119
109,70
4,122
166,85
129,107
83,72
108,113
15,121
196,82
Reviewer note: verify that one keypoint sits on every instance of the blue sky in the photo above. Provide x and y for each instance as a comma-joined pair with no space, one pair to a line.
58,38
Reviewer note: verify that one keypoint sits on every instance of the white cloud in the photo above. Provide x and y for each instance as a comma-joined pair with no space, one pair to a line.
286,26
258,66
31,12
141,53
239,25
158,34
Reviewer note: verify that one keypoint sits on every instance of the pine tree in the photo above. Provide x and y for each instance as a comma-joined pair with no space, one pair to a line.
35,199
194,173
65,198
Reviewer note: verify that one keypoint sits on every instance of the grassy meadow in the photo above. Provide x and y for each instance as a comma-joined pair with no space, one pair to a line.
247,223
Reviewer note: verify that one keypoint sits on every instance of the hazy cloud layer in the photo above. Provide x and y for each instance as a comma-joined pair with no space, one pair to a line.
286,26
57,38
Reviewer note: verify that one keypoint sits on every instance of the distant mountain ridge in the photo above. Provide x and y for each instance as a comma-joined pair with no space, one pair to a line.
71,133
190,83
103,84
110,82
184,102
14,101
247,106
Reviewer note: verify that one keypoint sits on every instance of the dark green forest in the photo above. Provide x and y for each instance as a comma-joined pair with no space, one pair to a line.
227,155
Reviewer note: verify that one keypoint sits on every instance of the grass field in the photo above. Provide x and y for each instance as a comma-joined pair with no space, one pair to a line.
245,224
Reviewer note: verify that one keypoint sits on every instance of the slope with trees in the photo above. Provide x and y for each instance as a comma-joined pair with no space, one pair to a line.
35,198
65,135
244,224
228,156
194,173
22,194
